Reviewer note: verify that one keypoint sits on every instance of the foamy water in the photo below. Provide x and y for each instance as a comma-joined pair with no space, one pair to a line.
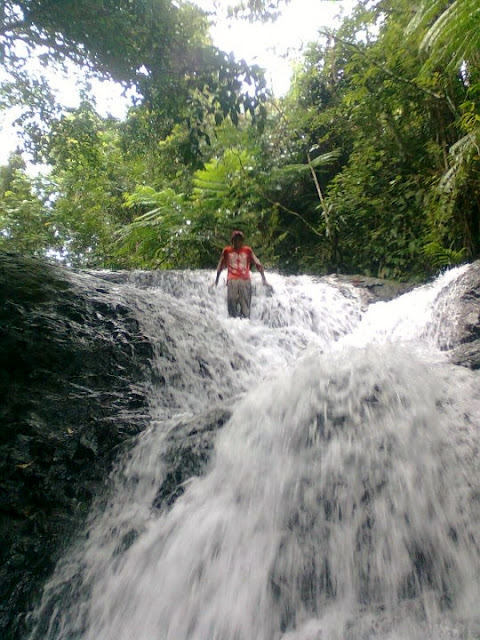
341,499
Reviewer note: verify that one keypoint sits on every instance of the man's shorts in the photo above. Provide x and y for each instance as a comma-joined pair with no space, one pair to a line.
239,298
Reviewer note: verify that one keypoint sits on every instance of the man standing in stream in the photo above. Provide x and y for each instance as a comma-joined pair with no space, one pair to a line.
237,259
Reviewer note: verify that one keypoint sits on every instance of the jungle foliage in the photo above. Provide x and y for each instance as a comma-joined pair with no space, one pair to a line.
370,164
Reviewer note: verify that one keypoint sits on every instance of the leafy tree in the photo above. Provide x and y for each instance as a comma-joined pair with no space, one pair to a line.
160,48
25,221
396,130
158,238
309,141
174,228
451,37
89,177
369,164
376,195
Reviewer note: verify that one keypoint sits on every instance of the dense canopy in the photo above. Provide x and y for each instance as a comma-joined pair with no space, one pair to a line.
370,164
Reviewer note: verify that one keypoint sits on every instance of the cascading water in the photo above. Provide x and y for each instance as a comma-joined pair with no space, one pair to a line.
342,498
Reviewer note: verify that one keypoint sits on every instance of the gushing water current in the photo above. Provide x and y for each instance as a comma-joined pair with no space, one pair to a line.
339,501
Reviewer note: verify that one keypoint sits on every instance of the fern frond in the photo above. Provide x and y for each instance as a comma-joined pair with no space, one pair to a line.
323,160
440,257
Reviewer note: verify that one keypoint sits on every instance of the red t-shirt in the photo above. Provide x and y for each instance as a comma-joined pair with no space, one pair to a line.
238,262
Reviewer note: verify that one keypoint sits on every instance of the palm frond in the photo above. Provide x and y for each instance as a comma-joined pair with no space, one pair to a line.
452,31
462,153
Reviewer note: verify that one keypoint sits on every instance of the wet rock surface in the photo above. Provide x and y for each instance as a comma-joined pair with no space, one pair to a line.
73,366
467,353
373,289
464,346
190,446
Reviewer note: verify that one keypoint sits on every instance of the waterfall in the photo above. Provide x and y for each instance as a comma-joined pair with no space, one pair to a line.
339,501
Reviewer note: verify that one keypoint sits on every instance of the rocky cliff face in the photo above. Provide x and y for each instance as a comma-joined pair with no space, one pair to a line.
74,364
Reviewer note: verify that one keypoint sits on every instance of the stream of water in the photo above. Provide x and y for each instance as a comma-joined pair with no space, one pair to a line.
341,501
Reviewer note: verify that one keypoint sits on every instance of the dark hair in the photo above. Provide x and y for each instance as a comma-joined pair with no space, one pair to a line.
236,233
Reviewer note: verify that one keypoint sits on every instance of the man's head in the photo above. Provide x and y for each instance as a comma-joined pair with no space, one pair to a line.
237,239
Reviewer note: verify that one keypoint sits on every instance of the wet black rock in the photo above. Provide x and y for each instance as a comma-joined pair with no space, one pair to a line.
467,351
374,289
463,343
190,446
73,368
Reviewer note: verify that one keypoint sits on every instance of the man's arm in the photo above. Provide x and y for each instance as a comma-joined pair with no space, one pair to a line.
259,266
222,263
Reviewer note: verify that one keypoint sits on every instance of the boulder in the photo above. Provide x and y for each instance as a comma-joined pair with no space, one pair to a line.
190,446
74,364
467,333
373,289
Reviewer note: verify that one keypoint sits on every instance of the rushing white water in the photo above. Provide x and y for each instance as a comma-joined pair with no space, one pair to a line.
342,498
